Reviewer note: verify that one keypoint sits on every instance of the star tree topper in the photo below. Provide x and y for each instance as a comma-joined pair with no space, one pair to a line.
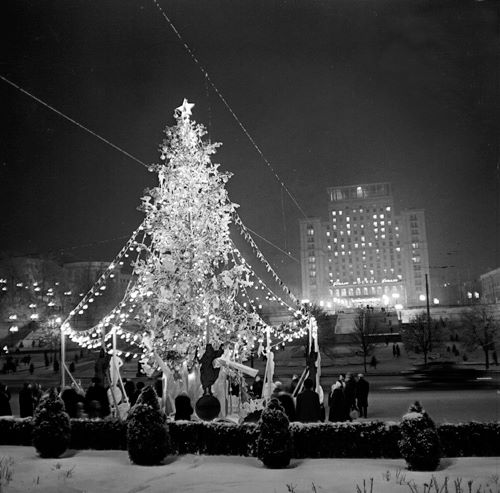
185,109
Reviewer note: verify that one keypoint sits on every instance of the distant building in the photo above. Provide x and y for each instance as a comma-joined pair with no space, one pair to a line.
364,253
490,286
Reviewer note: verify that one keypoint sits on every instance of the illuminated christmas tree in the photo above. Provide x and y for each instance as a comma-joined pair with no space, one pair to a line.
188,282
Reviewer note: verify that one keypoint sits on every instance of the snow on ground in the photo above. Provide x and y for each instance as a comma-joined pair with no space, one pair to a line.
94,471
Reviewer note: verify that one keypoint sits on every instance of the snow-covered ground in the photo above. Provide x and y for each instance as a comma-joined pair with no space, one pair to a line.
111,471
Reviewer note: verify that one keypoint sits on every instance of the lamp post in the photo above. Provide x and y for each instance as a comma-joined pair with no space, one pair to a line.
428,309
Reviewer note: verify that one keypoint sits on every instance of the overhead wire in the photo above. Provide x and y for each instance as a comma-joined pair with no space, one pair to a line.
83,127
228,106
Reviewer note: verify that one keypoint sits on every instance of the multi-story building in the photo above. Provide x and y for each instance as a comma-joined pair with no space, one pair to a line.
364,253
490,286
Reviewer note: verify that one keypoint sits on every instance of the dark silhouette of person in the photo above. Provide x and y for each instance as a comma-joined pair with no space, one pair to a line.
183,407
336,403
71,398
349,394
5,409
139,387
286,401
257,387
308,408
362,390
26,401
96,400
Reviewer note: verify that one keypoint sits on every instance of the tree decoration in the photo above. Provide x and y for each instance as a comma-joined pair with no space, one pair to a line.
188,282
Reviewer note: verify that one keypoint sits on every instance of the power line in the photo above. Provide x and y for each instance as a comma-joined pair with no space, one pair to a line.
228,107
60,113
272,244
83,127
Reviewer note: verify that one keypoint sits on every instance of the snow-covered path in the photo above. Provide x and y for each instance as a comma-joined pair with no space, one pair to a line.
111,471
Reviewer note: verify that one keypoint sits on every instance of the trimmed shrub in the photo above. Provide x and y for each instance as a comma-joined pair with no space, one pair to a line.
98,434
51,426
342,440
274,445
147,436
313,440
419,445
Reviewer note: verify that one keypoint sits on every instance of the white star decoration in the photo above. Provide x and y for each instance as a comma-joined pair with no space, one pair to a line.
185,109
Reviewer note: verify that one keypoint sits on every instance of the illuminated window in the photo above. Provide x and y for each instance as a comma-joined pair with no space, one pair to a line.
334,213
328,233
387,208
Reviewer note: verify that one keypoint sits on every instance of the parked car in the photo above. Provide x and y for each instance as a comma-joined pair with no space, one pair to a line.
446,373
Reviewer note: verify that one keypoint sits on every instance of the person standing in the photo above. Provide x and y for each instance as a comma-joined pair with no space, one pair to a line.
362,390
350,394
26,401
308,407
336,403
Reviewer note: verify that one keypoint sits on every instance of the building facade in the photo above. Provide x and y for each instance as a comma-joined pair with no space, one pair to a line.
364,253
490,286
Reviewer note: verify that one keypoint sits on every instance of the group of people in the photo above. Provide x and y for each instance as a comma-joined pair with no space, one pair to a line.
29,397
348,399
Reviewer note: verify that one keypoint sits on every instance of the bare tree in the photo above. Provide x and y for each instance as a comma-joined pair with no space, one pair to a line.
365,327
480,330
421,335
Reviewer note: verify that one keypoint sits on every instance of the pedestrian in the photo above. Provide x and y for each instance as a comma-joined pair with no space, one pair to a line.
494,357
349,395
257,387
36,391
183,407
72,367
71,398
139,386
5,409
288,404
32,369
394,351
308,407
96,400
398,351
362,390
336,403
26,401
277,388
374,362
294,383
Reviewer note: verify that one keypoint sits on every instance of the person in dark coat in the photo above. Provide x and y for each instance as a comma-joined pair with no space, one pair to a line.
286,401
71,398
139,386
362,390
336,403
183,407
96,400
349,394
257,387
5,409
26,401
308,407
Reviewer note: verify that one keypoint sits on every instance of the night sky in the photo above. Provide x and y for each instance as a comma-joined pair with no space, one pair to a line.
334,92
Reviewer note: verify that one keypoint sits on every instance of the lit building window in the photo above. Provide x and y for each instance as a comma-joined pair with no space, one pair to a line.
334,213
387,208
328,233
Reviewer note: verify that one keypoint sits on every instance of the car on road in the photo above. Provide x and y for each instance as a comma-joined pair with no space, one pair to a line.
446,373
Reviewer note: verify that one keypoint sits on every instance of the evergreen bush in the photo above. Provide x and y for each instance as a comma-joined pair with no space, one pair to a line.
274,443
51,426
420,445
147,435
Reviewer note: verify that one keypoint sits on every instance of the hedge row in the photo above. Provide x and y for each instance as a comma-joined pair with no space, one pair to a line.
318,440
